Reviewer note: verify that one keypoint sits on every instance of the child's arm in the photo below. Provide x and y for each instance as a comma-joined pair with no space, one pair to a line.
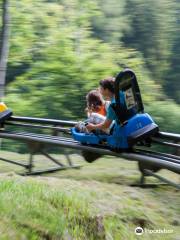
87,111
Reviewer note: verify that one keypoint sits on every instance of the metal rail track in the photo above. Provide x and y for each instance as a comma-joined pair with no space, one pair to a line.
141,155
158,155
54,122
68,143
42,121
168,157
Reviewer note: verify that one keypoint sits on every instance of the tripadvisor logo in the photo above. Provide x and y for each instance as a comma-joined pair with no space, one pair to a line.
139,231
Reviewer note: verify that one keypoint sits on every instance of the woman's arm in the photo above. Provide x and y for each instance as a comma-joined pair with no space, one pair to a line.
106,124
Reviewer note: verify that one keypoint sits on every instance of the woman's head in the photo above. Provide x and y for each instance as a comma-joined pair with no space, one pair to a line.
94,100
107,87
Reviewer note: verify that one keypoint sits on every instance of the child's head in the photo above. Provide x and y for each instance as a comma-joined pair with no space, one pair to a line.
107,87
94,100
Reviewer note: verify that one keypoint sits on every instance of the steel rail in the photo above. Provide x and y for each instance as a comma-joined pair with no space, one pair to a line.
60,129
170,144
159,156
73,145
159,153
70,139
50,137
170,136
67,131
171,158
42,121
161,135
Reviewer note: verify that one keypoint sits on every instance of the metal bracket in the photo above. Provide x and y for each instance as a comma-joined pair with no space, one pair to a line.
34,148
147,172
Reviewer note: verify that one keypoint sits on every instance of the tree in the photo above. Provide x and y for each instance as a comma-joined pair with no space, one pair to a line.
172,76
4,45
150,32
109,21
68,62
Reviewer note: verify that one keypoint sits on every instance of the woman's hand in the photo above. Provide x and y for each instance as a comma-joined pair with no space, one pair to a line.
90,127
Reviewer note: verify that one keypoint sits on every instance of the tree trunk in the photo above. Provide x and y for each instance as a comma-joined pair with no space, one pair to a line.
4,45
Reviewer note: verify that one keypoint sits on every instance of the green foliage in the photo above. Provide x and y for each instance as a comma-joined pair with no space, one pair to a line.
110,21
166,114
59,82
67,64
172,83
151,27
30,25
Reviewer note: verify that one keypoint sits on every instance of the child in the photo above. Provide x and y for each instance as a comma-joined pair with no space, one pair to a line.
108,92
96,111
95,103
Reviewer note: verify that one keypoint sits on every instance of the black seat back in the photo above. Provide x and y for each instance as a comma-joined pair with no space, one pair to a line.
128,100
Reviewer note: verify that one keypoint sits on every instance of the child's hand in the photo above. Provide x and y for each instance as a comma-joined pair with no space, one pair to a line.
86,110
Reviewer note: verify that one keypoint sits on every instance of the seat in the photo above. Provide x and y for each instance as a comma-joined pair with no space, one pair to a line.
5,113
128,100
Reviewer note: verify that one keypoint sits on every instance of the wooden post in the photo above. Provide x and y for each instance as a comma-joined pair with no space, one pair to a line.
4,45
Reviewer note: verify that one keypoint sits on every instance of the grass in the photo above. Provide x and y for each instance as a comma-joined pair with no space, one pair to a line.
94,202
